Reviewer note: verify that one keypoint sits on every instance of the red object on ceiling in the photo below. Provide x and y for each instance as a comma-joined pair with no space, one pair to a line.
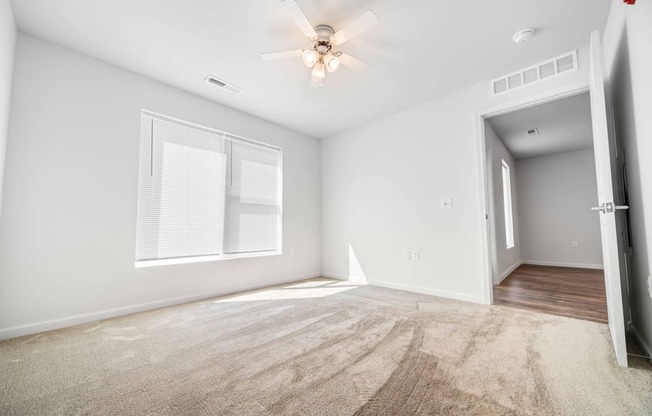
629,1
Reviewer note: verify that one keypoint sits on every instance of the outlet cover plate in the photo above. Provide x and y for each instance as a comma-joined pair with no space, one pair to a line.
446,203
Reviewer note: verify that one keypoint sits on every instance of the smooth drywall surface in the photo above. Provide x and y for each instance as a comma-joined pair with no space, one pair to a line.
382,183
67,236
555,196
7,45
629,65
505,259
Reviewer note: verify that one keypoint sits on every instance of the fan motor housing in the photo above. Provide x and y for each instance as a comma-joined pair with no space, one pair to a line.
323,40
324,32
323,47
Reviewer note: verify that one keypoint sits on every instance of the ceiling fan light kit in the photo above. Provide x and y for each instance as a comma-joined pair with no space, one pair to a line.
332,62
318,70
310,58
321,58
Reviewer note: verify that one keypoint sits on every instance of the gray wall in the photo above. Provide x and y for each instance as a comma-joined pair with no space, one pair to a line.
505,259
7,44
555,194
381,188
67,235
629,65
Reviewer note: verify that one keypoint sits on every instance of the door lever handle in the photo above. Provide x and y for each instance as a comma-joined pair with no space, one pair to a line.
599,208
609,207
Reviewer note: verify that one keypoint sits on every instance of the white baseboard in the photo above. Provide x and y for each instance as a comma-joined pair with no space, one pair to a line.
409,288
508,272
641,342
335,276
36,327
556,264
428,291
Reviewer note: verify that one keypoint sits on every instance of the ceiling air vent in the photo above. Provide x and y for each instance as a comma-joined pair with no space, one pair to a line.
223,84
560,65
533,132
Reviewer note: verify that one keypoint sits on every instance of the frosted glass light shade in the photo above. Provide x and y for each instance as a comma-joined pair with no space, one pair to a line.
319,70
332,62
310,58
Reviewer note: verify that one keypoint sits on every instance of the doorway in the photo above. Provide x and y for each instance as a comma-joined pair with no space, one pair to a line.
546,245
611,202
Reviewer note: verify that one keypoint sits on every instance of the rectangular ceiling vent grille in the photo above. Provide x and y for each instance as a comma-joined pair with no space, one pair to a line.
551,68
213,80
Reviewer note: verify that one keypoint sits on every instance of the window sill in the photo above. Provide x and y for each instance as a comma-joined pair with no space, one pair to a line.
202,259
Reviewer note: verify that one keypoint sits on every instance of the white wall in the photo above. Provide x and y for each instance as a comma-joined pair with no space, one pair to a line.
629,64
555,194
7,44
67,236
505,259
382,183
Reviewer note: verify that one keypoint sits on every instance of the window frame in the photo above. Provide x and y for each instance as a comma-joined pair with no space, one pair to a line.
508,204
212,257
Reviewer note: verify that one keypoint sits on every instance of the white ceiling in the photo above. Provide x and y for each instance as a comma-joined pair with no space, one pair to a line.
564,125
420,49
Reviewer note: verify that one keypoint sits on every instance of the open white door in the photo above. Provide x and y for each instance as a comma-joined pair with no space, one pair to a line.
612,250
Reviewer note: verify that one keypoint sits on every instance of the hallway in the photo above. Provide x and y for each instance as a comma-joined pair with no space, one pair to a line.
571,292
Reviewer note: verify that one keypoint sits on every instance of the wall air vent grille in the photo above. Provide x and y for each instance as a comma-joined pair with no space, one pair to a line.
223,84
560,65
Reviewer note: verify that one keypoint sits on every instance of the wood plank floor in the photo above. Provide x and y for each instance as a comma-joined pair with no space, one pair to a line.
576,293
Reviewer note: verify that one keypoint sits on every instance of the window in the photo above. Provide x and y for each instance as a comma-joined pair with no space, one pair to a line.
507,203
204,194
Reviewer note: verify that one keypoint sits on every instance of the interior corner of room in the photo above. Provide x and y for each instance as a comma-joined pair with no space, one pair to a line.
180,201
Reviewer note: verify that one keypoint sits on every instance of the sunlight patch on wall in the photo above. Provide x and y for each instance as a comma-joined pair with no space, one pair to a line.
356,274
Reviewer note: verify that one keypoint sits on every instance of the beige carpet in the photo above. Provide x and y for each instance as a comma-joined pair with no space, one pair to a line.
323,348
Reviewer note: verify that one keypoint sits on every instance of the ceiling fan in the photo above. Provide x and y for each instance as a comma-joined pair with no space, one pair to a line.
322,58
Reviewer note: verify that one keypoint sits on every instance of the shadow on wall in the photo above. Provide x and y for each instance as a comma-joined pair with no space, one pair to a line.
356,273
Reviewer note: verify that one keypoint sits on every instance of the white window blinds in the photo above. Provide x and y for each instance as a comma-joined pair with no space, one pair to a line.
205,193
253,206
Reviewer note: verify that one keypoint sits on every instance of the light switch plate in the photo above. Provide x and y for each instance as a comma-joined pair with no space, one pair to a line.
406,254
446,203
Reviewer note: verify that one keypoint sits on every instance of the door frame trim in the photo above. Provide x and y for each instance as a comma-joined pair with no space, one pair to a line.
480,116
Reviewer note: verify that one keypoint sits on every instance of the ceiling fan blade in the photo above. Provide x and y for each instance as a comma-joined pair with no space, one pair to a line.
281,55
364,22
353,63
292,7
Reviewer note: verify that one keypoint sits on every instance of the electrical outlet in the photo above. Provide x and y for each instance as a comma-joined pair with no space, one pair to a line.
575,244
415,254
406,254
445,203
